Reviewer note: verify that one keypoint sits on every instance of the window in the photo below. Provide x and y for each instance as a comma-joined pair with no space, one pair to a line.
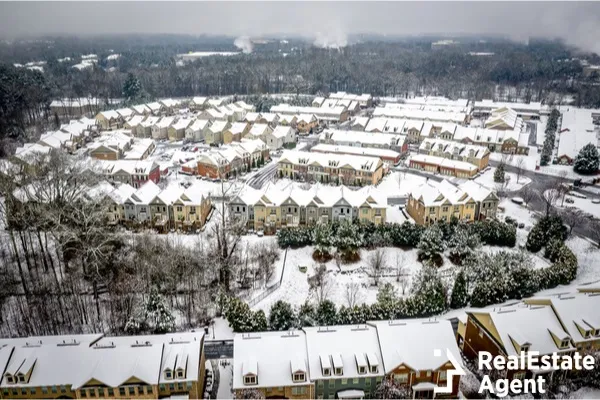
83,393
54,389
564,343
168,374
180,373
250,380
374,369
192,210
428,374
180,386
299,377
23,391
189,386
326,371
355,381
10,379
5,391
400,378
111,392
122,391
162,388
339,371
344,381
63,389
31,391
22,377
431,210
131,390
519,375
320,384
44,390
445,208
362,370
442,375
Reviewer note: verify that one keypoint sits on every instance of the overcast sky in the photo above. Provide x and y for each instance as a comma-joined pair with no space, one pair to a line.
576,22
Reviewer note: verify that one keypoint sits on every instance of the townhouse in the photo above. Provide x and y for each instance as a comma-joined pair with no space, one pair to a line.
169,106
509,331
433,201
335,114
177,130
109,120
348,362
196,131
477,155
117,197
214,133
345,169
142,109
527,111
125,113
389,157
409,358
192,208
503,141
133,172
144,129
160,130
97,366
198,103
212,114
504,118
344,361
578,315
364,100
375,140
134,123
460,118
140,149
272,208
280,137
161,206
274,363
235,132
156,108
75,107
305,123
111,146
287,120
229,160
258,131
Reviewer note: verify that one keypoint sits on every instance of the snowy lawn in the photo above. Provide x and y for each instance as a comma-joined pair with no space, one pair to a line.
487,179
399,183
586,393
225,379
394,214
529,161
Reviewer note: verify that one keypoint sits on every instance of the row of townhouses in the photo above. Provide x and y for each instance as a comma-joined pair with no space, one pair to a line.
347,361
351,361
272,208
118,145
98,366
173,207
442,201
396,145
352,170
348,100
230,160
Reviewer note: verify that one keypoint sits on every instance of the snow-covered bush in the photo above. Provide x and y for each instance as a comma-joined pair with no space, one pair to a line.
459,297
430,296
389,389
326,313
431,244
281,316
494,233
250,394
547,229
588,160
462,244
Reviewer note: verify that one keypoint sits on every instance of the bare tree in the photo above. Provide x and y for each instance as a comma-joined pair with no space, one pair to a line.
550,197
573,218
321,283
353,296
594,231
401,273
528,195
519,167
376,263
266,255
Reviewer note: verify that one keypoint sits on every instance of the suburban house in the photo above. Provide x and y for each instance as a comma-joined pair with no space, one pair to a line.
133,123
117,197
486,200
161,207
364,100
345,169
218,164
409,356
271,208
133,172
345,361
444,166
169,106
196,131
274,363
160,130
433,201
460,118
477,155
508,331
125,113
58,140
335,114
251,117
318,101
212,114
258,131
177,130
502,141
198,103
305,123
389,157
359,123
235,132
214,133
577,129
109,120
75,107
527,111
142,109
156,108
395,142
111,146
192,208
279,137
145,128
287,120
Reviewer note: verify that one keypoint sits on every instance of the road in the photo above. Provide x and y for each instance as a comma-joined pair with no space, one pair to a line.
263,175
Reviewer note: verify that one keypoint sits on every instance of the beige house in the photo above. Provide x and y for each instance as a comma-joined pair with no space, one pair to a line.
214,134
235,132
177,130
196,131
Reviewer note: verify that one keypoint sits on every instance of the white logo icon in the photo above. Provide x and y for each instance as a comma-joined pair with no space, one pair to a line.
457,371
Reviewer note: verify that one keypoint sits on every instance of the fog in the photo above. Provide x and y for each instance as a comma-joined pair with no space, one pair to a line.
328,24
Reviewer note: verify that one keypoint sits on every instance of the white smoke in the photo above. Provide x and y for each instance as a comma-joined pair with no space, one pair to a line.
334,39
244,43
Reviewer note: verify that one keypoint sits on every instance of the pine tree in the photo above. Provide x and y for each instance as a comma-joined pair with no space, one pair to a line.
307,315
430,294
588,160
158,316
459,298
462,244
281,316
326,313
431,243
499,174
132,88
387,294
259,321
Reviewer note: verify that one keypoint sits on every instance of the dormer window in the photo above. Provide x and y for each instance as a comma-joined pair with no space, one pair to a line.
168,374
299,377
339,371
9,378
362,370
597,332
525,348
374,370
250,380
588,334
180,373
326,371
564,344
21,378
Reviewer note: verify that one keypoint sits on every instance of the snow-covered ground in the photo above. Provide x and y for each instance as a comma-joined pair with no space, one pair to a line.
585,205
586,393
487,179
225,379
529,161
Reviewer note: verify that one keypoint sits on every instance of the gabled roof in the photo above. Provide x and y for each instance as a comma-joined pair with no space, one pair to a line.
281,131
198,125
145,194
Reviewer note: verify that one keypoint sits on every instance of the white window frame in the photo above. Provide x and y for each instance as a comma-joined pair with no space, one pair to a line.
250,380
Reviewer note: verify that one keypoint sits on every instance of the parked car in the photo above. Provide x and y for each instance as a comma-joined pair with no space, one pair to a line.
569,200
517,200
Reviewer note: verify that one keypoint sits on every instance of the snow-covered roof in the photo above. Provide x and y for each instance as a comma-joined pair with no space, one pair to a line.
182,123
484,135
199,100
577,130
169,103
412,343
476,190
125,112
242,104
360,121
327,113
424,115
347,346
121,192
259,130
269,356
145,194
438,193
155,106
110,114
504,117
364,138
328,160
29,151
252,116
141,108
165,122
150,121
516,324
135,120
306,118
198,125
578,312
218,126
376,124
430,107
129,166
238,127
139,148
355,150
281,131
488,104
443,162
318,100
454,148
55,139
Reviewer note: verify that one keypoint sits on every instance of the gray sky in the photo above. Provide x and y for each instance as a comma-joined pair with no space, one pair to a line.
577,23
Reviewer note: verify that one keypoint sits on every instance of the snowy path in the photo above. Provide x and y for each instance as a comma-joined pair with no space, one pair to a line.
225,379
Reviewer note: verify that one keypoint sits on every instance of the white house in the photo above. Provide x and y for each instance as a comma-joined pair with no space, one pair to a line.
280,136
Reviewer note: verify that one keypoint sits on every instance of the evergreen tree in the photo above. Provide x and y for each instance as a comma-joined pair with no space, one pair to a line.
462,244
307,315
157,314
499,174
281,316
588,160
132,88
431,243
459,297
430,294
387,294
326,313
390,389
259,321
